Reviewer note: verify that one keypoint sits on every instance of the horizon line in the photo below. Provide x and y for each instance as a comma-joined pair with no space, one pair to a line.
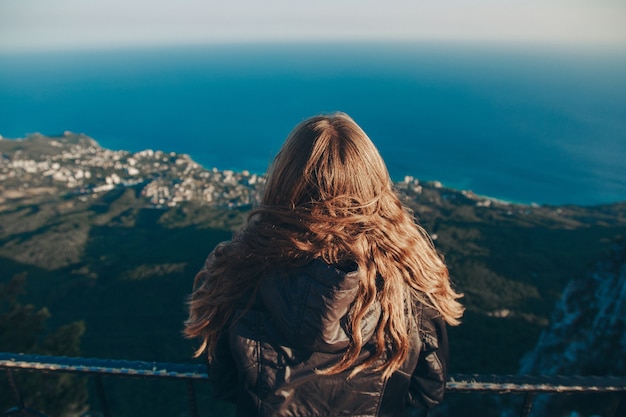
513,45
517,44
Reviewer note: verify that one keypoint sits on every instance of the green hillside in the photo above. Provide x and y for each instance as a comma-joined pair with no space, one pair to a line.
125,269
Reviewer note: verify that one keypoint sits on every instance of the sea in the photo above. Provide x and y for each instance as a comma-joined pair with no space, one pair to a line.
540,124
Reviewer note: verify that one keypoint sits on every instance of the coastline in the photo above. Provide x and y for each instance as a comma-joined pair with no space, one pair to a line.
165,173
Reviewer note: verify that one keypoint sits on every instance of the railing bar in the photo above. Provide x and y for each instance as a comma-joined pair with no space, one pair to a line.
456,383
528,404
193,405
102,366
104,405
537,384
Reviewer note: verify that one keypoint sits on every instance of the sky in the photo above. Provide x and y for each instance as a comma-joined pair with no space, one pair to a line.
78,24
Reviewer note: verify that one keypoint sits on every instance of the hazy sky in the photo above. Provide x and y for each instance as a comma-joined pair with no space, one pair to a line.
45,24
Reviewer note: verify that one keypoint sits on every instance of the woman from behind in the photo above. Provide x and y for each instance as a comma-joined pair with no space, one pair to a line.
331,301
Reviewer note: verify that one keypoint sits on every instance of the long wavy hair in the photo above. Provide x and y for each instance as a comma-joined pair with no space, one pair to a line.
329,196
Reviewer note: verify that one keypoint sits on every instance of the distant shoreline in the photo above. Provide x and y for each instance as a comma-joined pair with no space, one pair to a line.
406,181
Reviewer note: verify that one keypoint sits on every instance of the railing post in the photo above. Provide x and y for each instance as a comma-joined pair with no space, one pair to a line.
104,405
621,406
191,391
20,407
15,389
528,404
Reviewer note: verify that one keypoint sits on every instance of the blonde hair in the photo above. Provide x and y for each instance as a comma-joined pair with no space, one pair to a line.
329,196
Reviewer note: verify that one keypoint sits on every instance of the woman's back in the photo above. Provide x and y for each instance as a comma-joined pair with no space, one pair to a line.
331,300
296,326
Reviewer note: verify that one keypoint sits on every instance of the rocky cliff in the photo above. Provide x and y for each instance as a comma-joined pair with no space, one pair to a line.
587,335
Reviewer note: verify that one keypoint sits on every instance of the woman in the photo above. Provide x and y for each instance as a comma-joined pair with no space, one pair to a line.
331,301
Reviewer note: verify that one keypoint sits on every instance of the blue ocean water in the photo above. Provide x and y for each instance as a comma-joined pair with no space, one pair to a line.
520,124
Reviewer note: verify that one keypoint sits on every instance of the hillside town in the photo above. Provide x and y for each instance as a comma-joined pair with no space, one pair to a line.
76,163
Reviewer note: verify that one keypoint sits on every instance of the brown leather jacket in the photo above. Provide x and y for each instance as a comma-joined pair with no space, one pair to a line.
266,360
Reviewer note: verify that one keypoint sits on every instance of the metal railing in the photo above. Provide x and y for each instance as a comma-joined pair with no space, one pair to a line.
464,383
